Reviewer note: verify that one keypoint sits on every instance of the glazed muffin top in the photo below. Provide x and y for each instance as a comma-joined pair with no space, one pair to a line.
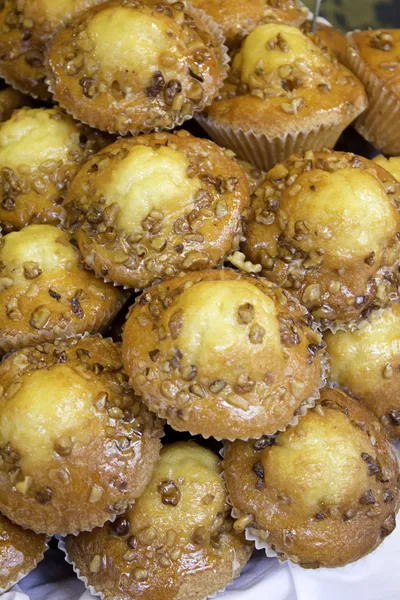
181,344
76,445
366,361
328,37
238,18
175,543
41,150
325,225
46,292
20,551
134,66
323,493
25,28
280,82
391,164
10,100
155,205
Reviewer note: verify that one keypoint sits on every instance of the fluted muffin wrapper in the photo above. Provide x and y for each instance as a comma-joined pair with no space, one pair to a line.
23,574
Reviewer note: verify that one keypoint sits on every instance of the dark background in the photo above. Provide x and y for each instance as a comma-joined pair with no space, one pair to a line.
360,14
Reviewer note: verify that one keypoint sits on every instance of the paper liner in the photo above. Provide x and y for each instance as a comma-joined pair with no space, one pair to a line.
23,574
223,59
379,124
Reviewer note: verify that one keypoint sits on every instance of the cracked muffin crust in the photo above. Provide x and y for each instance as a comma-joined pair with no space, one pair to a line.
46,292
133,66
175,543
76,444
41,151
149,207
326,226
181,344
321,494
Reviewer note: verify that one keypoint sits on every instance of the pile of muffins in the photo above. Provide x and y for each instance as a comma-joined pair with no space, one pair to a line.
199,336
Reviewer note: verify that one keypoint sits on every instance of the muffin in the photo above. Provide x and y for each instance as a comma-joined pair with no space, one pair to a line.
321,494
238,18
41,150
366,361
254,176
154,205
76,444
222,354
20,551
45,291
175,543
10,100
327,37
391,164
373,56
326,226
25,28
283,95
136,66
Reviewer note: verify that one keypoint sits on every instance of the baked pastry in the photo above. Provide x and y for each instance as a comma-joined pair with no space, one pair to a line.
391,164
283,95
366,361
175,543
134,66
326,226
254,176
76,445
10,100
238,18
41,151
20,551
45,291
323,493
373,55
327,37
155,205
25,28
222,354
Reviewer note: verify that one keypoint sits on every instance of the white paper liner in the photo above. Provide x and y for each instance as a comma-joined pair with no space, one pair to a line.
23,574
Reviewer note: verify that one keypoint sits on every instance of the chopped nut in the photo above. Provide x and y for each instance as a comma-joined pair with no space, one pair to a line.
94,565
95,494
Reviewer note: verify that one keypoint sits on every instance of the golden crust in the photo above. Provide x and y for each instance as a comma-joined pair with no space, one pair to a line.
366,361
76,445
323,493
166,65
45,291
281,83
152,206
20,551
238,18
311,232
175,543
181,344
329,38
41,151
10,100
391,164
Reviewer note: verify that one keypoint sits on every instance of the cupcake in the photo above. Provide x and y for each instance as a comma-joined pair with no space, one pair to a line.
135,66
175,543
366,361
152,206
327,37
373,56
391,164
321,494
326,226
45,291
283,95
41,150
222,354
76,444
10,100
238,18
25,28
20,551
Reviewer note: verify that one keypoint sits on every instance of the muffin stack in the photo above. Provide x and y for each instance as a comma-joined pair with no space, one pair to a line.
238,285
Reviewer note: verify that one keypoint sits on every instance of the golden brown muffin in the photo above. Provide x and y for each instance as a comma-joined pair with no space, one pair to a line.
326,226
373,56
327,37
76,445
151,206
10,100
25,28
136,66
175,543
222,354
323,493
366,361
391,164
20,551
254,176
283,95
41,151
46,292
238,18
